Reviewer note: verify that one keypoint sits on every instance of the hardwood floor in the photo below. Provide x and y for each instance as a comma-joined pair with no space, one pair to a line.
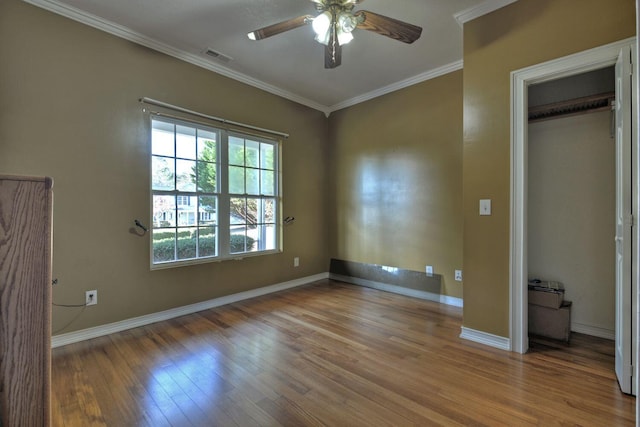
330,354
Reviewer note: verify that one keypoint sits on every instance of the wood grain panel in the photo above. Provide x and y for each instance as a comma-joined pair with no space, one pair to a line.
25,295
331,354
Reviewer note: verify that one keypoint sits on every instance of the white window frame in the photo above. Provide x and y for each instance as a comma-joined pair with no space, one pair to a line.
223,246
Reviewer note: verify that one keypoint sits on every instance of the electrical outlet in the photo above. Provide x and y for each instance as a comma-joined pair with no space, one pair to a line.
91,297
429,270
458,275
296,261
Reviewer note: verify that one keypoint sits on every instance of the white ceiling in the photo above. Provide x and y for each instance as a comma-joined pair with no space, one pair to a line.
290,64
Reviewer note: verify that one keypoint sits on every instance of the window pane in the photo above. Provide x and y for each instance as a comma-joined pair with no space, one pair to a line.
253,183
252,211
186,175
162,138
238,239
207,177
207,146
237,210
252,238
266,237
236,180
267,154
236,151
252,157
187,241
269,211
268,185
208,211
187,209
207,242
185,142
162,173
164,245
164,211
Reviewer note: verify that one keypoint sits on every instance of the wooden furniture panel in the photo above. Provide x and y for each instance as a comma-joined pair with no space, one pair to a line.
25,300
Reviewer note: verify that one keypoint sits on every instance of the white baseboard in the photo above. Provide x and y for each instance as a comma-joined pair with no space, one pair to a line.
442,299
486,338
110,328
595,331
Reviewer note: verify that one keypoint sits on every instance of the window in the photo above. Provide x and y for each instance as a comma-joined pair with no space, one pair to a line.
215,193
183,200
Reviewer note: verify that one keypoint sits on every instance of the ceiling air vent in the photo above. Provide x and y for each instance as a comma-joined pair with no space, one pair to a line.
217,55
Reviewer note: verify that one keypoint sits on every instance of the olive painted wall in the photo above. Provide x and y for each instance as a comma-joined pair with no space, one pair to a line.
380,182
522,34
396,180
69,109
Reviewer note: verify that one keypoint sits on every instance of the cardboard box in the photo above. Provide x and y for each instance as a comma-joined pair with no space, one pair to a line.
550,322
546,297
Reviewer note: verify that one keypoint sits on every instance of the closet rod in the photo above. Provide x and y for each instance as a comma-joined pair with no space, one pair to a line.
155,102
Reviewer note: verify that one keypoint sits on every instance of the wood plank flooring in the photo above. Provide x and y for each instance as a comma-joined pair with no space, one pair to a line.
330,354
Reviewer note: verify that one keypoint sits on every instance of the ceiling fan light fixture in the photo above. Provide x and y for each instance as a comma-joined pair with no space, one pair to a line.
324,39
347,22
324,23
344,37
321,25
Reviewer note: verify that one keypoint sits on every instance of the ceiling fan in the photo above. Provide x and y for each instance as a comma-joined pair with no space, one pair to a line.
334,24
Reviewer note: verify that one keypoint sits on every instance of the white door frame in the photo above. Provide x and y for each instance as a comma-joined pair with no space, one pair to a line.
578,63
636,142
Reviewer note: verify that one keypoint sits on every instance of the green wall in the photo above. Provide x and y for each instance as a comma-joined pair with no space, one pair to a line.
69,109
522,34
396,180
380,182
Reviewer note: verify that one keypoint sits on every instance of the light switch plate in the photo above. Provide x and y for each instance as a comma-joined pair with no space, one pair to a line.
485,206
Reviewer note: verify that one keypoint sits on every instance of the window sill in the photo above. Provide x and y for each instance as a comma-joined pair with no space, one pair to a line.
197,261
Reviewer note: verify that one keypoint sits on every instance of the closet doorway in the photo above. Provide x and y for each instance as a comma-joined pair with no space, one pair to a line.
571,204
621,54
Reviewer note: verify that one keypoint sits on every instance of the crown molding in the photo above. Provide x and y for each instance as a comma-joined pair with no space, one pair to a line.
483,8
431,74
200,61
133,36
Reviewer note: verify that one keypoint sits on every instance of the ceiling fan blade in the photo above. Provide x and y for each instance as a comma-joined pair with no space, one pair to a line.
280,27
398,30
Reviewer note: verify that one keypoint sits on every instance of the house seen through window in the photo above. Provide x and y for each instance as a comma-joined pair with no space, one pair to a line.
215,193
